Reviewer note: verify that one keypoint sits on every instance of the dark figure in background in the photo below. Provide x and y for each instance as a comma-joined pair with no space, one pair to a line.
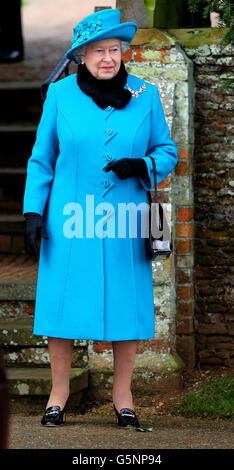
11,38
3,404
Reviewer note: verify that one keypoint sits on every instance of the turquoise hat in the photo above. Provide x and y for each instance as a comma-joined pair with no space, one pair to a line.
104,24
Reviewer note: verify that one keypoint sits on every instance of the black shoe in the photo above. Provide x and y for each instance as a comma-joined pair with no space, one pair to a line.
11,56
126,418
53,416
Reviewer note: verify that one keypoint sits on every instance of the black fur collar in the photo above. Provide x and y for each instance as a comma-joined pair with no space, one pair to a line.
105,93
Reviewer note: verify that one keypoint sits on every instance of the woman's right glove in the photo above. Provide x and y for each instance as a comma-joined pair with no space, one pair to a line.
34,228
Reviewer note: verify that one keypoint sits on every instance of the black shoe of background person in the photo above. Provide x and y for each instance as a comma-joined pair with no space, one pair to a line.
8,57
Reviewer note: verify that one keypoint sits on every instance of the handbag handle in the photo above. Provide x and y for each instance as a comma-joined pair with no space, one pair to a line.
155,196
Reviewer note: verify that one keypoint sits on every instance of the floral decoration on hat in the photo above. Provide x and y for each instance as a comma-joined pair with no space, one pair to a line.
86,30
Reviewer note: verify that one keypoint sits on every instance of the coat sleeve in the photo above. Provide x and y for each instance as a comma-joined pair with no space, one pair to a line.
160,145
40,167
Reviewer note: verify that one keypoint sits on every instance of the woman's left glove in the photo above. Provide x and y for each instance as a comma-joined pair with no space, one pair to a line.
126,167
34,229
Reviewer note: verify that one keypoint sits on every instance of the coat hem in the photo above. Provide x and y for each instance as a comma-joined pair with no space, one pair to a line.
48,335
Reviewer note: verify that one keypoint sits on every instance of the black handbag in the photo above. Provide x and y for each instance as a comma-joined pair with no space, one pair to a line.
158,243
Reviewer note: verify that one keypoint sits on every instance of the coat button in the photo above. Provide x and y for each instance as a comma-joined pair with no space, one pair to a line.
108,157
108,108
109,131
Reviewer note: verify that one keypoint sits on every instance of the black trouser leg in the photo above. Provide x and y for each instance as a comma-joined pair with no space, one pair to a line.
11,37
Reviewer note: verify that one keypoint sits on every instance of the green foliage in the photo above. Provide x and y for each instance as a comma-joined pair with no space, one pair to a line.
212,400
225,8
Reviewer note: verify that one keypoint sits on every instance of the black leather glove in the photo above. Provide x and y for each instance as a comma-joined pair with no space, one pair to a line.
126,167
34,228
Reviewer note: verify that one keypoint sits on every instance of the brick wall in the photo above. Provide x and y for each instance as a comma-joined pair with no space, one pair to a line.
213,213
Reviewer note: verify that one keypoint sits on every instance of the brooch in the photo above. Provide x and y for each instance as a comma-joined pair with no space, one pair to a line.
135,93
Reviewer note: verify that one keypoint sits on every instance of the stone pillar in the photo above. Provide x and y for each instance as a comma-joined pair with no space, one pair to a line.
133,10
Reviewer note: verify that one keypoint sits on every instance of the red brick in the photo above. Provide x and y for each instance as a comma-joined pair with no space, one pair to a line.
154,344
184,326
184,292
137,55
165,183
184,153
127,56
184,309
182,168
101,346
184,230
183,246
184,214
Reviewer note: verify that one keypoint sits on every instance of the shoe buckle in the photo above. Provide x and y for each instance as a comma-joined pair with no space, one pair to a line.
52,412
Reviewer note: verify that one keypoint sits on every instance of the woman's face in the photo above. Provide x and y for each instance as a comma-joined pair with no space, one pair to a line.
103,58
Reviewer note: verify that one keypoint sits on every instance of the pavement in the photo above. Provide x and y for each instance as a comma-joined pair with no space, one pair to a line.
101,432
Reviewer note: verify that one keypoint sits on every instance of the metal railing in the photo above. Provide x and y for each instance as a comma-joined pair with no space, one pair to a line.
61,67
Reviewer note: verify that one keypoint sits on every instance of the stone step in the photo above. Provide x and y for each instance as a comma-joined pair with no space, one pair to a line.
17,290
12,223
16,267
20,101
19,332
29,389
22,347
12,232
36,381
17,141
16,309
12,184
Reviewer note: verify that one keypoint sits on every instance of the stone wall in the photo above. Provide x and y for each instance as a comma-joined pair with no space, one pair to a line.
213,210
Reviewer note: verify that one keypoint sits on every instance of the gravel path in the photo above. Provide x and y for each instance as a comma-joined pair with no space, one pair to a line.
101,432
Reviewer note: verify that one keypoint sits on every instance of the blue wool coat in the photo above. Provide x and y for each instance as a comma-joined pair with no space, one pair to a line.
92,283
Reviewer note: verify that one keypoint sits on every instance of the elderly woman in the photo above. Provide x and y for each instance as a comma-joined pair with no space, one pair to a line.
90,167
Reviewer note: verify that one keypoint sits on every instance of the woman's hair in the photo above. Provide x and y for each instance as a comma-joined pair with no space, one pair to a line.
77,53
